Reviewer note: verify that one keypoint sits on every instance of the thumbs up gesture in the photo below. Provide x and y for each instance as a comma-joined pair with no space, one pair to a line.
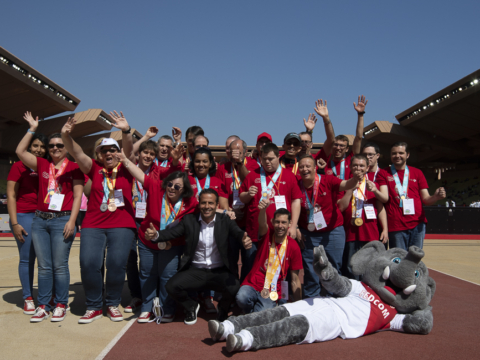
151,233
246,241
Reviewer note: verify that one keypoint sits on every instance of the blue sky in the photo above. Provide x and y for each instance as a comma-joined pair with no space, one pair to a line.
244,67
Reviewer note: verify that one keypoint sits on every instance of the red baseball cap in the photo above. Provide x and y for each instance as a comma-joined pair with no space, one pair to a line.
264,134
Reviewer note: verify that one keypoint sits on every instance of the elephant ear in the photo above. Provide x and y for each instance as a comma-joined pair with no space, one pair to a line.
362,258
431,286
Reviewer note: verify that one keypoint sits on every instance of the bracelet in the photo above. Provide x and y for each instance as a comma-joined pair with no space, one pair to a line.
15,224
310,131
30,132
361,113
327,122
127,131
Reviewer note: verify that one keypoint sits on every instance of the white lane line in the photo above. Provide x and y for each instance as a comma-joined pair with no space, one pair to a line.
115,339
456,277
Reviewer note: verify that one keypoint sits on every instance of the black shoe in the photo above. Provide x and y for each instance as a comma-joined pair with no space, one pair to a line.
191,316
216,329
234,343
222,315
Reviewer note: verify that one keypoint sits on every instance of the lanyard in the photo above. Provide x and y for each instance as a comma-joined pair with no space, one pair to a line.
207,184
295,167
138,189
311,205
402,189
164,163
236,179
375,176
266,189
52,187
358,200
275,264
109,184
173,212
342,169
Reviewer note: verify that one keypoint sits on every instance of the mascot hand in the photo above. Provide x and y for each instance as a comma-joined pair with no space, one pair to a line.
419,322
321,265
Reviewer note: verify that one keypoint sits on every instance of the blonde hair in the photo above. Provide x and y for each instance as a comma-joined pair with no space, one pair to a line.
95,153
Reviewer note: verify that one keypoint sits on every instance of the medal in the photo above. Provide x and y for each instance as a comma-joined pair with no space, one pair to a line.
402,197
264,195
274,296
162,245
311,227
264,293
103,207
112,207
358,222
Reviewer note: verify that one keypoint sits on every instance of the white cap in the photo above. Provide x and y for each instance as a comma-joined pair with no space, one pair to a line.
108,142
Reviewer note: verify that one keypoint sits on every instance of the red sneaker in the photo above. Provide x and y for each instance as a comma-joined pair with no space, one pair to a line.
114,314
144,317
59,313
29,306
134,305
40,314
90,316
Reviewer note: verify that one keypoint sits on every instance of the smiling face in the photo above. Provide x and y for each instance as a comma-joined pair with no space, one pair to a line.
201,165
165,148
174,189
359,166
208,204
292,147
38,148
306,144
270,161
306,167
280,225
56,149
399,156
146,157
107,156
340,148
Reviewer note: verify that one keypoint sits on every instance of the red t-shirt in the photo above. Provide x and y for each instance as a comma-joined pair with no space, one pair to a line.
329,169
124,216
291,262
396,220
28,190
224,173
215,184
154,210
326,202
65,182
290,166
369,230
286,184
161,172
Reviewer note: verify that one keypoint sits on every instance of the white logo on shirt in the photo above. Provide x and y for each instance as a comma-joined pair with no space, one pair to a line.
45,175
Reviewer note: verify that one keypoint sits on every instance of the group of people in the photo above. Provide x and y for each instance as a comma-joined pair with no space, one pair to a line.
190,219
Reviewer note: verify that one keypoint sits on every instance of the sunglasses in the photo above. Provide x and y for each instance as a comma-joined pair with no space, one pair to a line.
111,150
58,146
175,186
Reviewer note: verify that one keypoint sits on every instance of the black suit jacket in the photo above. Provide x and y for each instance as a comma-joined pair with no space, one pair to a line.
190,228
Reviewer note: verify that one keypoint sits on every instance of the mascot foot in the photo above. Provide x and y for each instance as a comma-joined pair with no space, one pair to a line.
234,343
216,329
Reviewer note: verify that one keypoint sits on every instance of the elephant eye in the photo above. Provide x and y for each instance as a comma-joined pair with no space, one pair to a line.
417,273
396,260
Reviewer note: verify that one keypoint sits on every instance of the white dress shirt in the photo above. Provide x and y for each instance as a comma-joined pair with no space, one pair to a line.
207,255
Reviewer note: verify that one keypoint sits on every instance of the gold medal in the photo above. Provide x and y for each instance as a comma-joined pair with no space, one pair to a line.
402,197
111,205
264,293
264,194
358,222
274,296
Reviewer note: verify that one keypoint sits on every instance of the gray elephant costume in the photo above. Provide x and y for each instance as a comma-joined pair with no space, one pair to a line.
393,295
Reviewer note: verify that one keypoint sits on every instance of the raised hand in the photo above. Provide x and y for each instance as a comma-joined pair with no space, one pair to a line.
321,108
249,154
151,232
69,126
310,123
358,175
236,155
371,186
263,204
176,134
151,132
119,121
246,241
321,163
178,152
362,102
31,121
252,190
121,156
440,193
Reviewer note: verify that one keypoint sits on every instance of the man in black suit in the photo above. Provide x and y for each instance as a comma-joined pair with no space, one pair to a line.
207,262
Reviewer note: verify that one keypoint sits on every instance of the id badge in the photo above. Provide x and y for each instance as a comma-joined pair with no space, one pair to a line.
56,202
237,204
280,202
119,198
319,220
284,285
140,210
369,211
408,207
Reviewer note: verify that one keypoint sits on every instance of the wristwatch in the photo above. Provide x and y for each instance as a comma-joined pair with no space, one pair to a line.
127,131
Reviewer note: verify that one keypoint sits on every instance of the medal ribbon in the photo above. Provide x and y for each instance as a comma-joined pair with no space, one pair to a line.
358,200
109,183
342,169
295,167
402,189
236,179
164,163
170,213
275,263
311,205
138,189
266,189
207,184
52,187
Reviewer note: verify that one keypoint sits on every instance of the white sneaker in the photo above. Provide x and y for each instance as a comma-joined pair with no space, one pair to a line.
29,306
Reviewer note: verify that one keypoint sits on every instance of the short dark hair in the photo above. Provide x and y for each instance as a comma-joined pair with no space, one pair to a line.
213,165
39,137
208,191
342,138
282,211
371,144
195,130
306,156
269,148
187,188
306,133
401,143
53,136
359,157
166,137
150,145
201,135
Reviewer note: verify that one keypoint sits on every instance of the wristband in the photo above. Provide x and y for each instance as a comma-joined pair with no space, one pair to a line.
224,211
31,132
361,112
15,224
127,131
310,131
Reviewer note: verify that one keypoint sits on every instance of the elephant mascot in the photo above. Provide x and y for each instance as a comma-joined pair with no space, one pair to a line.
393,295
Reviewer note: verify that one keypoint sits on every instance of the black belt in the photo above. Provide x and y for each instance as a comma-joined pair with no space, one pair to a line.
49,215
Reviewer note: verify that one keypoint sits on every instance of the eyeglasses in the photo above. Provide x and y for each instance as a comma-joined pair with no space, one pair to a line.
111,150
58,146
202,146
368,155
175,186
306,142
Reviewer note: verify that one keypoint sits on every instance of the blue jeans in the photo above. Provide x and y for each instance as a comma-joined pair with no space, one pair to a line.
406,238
93,242
250,300
156,268
334,243
26,266
133,276
52,256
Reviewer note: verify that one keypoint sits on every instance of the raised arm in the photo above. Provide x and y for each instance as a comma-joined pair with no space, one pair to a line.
120,122
430,200
351,183
345,201
310,123
134,170
247,196
322,110
25,157
262,217
360,108
151,132
381,194
84,162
